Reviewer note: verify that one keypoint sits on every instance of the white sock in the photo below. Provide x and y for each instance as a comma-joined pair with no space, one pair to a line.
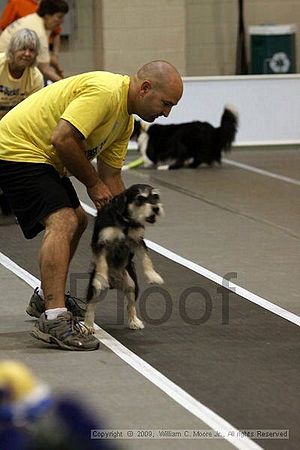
53,313
41,293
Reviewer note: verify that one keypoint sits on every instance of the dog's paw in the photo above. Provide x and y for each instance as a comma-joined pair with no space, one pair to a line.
135,324
87,329
154,277
100,284
90,330
163,167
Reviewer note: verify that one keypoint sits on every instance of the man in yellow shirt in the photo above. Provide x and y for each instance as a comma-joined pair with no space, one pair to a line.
56,132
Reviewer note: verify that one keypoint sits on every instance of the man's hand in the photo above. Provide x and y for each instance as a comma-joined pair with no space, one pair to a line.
99,194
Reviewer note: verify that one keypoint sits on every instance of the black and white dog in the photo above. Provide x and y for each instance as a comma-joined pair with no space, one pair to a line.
188,144
118,236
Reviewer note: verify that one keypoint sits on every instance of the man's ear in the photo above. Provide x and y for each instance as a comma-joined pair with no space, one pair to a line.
145,87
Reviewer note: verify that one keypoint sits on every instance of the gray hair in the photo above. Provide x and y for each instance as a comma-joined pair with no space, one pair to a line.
21,40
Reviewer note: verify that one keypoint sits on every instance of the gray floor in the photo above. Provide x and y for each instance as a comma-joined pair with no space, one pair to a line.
227,220
234,220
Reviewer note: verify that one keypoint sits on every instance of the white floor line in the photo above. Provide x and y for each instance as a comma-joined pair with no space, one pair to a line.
217,423
184,399
17,270
89,209
266,304
261,171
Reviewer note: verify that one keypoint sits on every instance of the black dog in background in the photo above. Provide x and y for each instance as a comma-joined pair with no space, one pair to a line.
137,129
188,144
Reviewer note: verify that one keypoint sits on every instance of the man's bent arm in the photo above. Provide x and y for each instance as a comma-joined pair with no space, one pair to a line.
68,142
111,177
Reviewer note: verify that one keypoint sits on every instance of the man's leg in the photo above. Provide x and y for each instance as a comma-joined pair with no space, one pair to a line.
58,326
77,306
82,224
61,237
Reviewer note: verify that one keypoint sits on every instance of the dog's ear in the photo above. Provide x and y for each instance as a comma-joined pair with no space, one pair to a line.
120,203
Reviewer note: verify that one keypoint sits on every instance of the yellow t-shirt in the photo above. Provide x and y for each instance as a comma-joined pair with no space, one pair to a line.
95,103
14,90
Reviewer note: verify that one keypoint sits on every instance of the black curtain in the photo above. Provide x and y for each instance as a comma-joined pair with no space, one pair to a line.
241,66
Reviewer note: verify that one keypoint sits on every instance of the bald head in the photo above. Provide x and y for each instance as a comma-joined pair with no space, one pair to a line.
156,88
159,72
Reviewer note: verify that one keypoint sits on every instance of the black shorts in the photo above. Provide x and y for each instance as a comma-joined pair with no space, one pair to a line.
35,190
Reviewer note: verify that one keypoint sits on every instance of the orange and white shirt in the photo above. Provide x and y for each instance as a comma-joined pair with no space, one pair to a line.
33,22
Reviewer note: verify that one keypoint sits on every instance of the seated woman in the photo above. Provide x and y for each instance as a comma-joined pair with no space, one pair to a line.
19,76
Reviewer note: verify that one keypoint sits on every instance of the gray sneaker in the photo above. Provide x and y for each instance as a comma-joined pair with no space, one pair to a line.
73,304
65,332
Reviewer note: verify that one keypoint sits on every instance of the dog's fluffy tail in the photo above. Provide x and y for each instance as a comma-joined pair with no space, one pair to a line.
228,127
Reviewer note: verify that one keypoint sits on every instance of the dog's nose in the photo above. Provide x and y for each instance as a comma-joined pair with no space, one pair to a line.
155,209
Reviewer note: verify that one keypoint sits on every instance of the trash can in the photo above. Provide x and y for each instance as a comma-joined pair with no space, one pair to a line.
273,49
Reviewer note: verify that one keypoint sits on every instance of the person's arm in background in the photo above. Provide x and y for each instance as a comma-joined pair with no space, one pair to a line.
44,60
54,51
49,72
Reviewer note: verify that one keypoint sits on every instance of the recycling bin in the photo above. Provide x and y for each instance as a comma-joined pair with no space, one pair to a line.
273,49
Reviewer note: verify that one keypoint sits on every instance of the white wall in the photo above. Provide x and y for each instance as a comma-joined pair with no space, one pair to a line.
268,106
